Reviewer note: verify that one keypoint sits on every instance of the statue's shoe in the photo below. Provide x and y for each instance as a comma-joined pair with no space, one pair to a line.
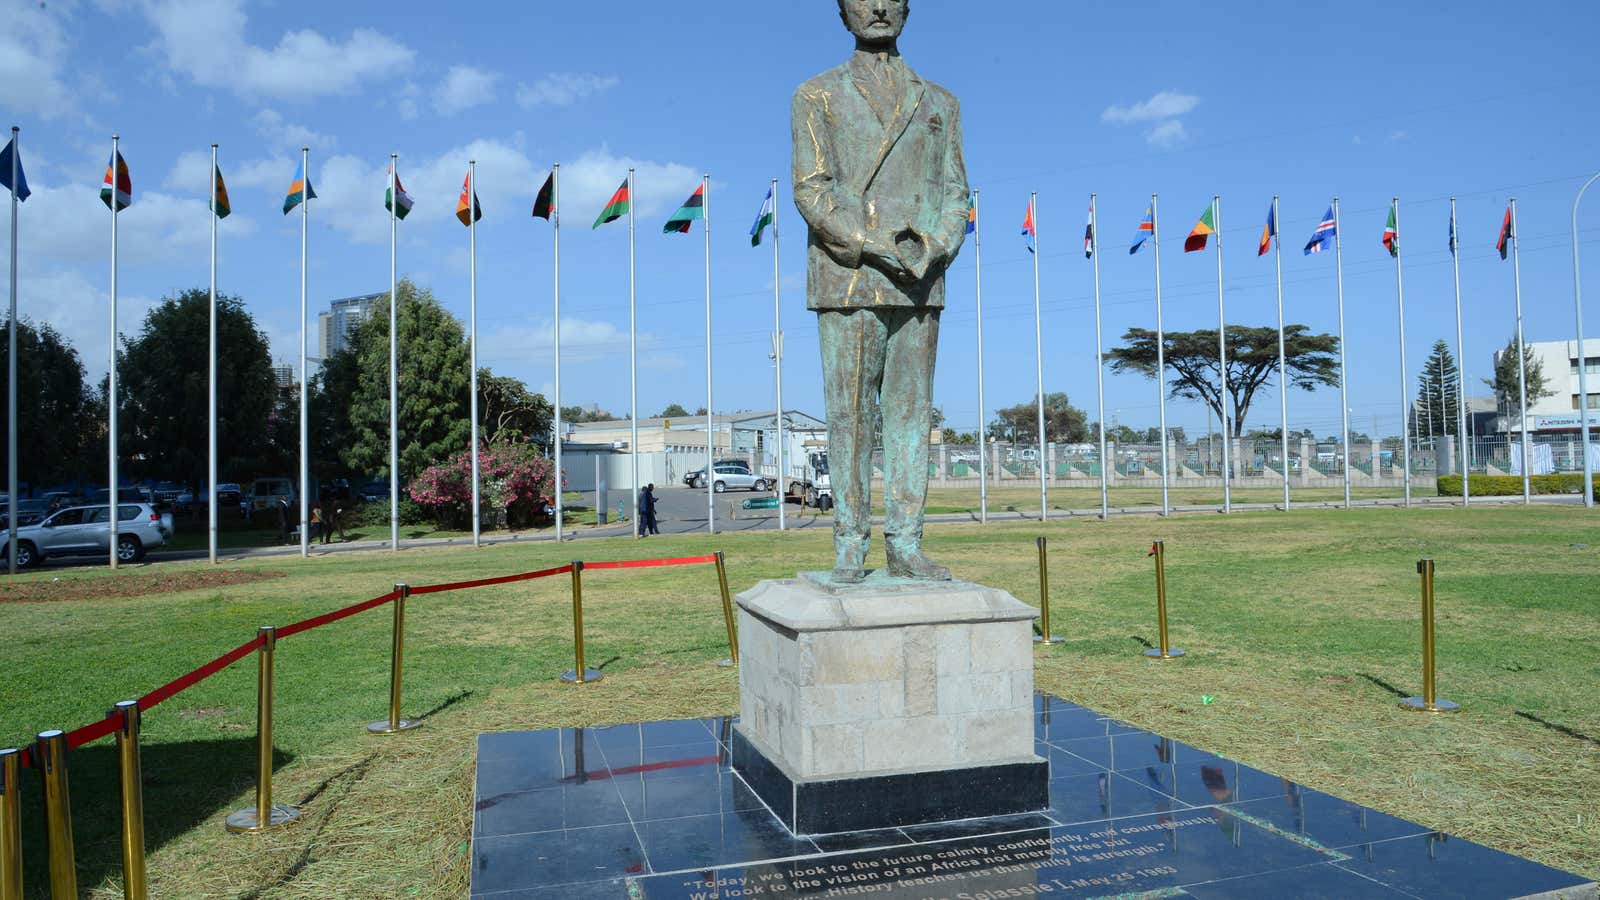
916,565
848,575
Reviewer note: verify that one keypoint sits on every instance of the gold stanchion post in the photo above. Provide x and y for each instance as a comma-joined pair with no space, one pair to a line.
580,674
727,614
134,886
264,816
10,824
50,755
1428,702
1044,636
395,724
1158,550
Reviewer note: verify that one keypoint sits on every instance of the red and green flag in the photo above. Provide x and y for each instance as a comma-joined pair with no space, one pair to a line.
219,200
118,187
692,208
616,207
1203,230
463,203
402,208
1391,231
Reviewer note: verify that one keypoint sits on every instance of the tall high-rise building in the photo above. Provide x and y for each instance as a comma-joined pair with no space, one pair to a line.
283,374
335,326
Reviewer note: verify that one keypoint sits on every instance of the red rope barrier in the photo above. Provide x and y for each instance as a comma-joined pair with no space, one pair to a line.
485,582
336,615
651,563
185,682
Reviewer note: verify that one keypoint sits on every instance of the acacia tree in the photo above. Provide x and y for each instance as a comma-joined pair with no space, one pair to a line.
1063,422
1311,360
58,415
507,410
162,382
1506,378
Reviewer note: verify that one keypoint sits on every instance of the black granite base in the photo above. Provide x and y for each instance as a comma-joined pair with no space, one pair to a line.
891,801
655,810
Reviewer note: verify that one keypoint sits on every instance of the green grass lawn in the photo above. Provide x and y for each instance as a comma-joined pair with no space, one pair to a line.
1303,627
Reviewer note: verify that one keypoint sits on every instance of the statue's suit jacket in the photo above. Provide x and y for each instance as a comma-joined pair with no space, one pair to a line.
858,183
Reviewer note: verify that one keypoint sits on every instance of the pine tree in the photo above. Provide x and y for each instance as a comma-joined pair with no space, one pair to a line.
1438,392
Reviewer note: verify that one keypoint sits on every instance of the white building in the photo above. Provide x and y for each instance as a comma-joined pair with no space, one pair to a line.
1560,411
335,326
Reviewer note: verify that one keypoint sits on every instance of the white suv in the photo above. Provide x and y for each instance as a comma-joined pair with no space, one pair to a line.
86,531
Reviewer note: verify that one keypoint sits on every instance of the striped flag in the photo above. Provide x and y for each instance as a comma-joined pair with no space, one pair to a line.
219,200
692,209
616,207
1088,233
1506,235
403,207
117,187
1147,229
1028,229
1323,235
300,189
1203,230
1269,231
972,214
764,218
463,204
1391,232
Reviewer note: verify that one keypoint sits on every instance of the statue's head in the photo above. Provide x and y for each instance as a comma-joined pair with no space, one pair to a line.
875,23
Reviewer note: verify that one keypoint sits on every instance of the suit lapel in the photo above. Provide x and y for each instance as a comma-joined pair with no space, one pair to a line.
910,100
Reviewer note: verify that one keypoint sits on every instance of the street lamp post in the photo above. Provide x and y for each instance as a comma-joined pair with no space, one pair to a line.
1583,358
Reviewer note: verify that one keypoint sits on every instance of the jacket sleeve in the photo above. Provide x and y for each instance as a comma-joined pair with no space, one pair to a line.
952,228
835,221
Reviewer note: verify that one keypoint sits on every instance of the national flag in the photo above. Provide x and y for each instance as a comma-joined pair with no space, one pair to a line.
616,207
462,203
1453,244
1506,236
972,214
118,186
1391,231
1203,229
1324,234
1088,233
1028,229
692,208
300,189
9,157
544,205
219,201
1147,230
1268,231
402,208
767,216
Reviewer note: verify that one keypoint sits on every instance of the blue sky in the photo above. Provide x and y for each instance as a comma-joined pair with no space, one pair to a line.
1363,100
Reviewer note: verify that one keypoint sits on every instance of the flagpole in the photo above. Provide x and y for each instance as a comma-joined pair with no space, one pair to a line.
1522,363
305,443
1099,359
1405,390
211,381
777,354
472,306
1161,357
983,442
1461,370
1038,357
11,366
111,378
1583,358
711,475
394,357
1222,365
633,362
555,232
1283,363
1344,395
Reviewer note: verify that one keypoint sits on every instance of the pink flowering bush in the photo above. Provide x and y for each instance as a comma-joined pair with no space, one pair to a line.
516,483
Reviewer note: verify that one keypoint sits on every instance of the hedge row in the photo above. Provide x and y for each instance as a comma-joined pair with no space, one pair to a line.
1511,485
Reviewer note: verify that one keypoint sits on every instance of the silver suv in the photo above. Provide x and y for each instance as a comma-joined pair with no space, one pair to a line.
86,531
730,475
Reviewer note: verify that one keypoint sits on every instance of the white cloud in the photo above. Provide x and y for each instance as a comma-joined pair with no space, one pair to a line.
1398,135
33,55
515,349
1164,105
205,41
563,89
80,310
464,87
588,182
159,228
271,125
1168,134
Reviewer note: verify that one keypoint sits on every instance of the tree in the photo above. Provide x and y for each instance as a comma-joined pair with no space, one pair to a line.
579,414
58,431
507,410
514,478
1063,422
162,380
1505,378
1439,391
1122,434
673,411
1252,363
433,387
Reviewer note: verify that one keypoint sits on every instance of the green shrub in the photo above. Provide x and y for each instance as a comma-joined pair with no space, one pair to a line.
1511,485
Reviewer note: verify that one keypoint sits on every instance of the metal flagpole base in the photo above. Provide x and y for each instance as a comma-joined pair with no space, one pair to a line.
245,821
1155,653
1039,639
382,726
570,676
1417,704
726,662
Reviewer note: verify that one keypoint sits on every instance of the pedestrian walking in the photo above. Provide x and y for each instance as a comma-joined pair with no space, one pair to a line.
647,511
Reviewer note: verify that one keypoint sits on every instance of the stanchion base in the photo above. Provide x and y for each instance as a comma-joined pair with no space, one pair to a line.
382,726
571,676
1417,704
1037,639
1155,653
726,663
245,821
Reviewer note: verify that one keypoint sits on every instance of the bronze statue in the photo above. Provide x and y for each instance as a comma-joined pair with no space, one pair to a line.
880,181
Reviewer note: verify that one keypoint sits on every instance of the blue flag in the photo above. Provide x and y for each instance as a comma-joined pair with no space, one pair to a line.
9,157
1147,229
1324,235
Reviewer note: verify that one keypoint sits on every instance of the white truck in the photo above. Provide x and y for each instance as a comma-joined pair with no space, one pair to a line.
813,487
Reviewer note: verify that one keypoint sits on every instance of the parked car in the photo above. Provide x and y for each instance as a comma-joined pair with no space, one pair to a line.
86,531
124,495
268,492
29,512
374,490
728,476
693,479
167,492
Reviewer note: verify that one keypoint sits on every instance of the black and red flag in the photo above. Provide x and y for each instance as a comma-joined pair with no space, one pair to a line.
692,208
1506,236
544,204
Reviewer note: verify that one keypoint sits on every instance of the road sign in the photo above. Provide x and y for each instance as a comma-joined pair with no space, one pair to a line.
761,503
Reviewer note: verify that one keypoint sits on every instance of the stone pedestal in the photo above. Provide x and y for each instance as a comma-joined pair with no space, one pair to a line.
892,702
